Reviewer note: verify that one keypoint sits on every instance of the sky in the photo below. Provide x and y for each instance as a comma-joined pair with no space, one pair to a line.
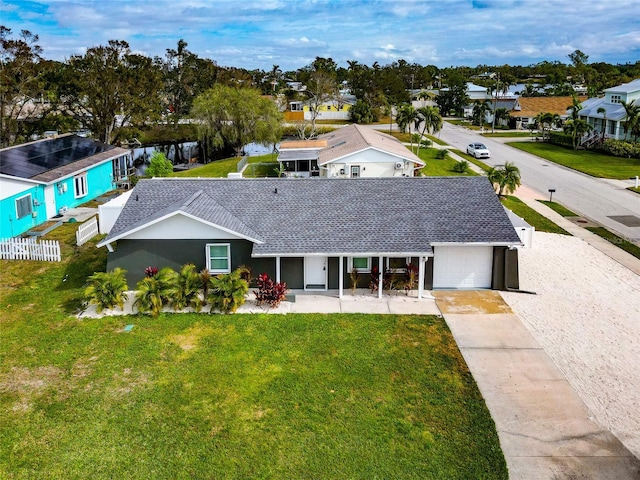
258,34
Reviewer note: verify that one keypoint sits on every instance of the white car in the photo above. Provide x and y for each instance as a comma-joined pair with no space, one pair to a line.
478,150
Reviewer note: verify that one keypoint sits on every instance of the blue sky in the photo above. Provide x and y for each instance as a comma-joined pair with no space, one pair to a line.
291,33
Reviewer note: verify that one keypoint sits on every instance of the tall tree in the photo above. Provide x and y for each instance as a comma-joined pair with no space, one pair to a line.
21,81
632,119
505,179
479,113
179,68
234,117
430,120
109,87
576,128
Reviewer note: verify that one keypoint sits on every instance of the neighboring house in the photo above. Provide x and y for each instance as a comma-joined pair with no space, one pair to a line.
310,234
350,152
528,108
333,109
40,179
614,114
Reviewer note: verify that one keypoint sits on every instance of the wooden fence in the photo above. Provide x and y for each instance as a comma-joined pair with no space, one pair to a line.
30,249
87,231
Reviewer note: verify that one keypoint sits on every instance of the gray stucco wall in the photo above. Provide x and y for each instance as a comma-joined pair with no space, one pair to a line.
136,255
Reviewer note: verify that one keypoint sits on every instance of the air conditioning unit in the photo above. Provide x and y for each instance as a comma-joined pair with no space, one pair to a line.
399,165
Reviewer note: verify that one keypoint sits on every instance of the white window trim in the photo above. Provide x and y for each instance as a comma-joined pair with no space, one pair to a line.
83,184
351,171
361,270
208,257
30,206
396,270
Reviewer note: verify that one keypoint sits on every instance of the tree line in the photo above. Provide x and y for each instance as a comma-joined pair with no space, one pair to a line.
109,86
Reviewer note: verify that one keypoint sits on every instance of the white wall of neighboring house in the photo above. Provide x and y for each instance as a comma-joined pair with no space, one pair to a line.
108,212
373,163
11,186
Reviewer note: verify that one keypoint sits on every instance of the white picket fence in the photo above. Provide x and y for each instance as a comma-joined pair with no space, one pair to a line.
30,249
87,231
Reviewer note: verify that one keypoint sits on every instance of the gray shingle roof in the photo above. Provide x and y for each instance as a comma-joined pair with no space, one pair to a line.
367,215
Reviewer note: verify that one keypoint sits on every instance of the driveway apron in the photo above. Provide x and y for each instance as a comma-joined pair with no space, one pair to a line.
545,429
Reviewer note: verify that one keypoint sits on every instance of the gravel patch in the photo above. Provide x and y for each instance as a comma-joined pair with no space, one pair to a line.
586,315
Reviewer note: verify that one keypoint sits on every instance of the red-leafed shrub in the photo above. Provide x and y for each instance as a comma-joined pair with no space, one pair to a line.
151,271
269,291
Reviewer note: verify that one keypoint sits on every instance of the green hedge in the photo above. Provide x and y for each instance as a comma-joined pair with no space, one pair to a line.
559,138
621,148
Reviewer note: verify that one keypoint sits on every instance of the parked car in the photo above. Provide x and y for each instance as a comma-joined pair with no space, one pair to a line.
478,150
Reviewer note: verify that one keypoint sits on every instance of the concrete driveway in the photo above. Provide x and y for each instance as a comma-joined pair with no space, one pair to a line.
544,427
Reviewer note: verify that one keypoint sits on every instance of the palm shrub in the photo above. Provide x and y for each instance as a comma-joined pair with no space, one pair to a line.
227,291
107,289
153,292
205,277
460,166
187,289
354,277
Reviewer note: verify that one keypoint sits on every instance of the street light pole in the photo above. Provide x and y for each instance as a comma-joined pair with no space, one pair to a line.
495,102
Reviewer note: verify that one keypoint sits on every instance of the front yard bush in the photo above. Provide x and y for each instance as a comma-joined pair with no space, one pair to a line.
621,148
227,291
156,291
560,138
107,289
187,291
269,291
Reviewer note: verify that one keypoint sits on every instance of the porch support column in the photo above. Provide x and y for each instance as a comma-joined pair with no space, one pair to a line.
380,275
277,269
340,276
421,262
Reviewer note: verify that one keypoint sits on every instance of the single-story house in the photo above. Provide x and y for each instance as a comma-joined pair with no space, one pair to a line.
350,152
41,179
333,109
611,120
311,234
528,108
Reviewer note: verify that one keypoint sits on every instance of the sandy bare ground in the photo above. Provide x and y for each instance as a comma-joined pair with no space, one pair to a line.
586,315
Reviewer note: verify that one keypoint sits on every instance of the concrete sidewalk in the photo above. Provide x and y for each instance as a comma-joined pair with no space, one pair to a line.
545,429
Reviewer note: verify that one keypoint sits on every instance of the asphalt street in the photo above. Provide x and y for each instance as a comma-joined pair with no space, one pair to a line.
594,198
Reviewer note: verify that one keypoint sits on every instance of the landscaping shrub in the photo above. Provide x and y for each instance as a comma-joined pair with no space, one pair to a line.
441,154
354,277
227,291
155,291
410,277
205,277
107,289
269,291
559,138
461,167
187,289
621,148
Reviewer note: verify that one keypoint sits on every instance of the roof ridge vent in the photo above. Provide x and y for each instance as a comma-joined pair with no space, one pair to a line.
192,199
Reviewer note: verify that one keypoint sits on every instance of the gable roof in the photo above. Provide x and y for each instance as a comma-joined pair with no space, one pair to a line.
355,138
633,86
294,217
50,159
532,106
614,111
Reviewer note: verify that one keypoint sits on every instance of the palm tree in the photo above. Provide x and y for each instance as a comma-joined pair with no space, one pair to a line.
546,120
479,113
501,114
603,111
632,119
406,115
506,178
576,128
430,119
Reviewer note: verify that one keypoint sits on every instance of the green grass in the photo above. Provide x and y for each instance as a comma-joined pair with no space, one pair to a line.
533,218
439,167
565,212
437,140
471,159
216,169
620,242
634,189
509,134
591,163
237,396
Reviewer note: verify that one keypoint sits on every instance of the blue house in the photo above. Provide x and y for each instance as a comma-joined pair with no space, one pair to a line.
41,179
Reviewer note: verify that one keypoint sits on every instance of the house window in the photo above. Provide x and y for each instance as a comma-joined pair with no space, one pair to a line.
355,171
398,264
23,206
616,98
289,166
303,165
612,127
362,264
218,257
80,185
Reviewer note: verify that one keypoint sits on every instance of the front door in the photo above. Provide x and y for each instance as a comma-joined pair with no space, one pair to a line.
315,273
50,201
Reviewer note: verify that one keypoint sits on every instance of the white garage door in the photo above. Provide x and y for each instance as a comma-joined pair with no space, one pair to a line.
462,267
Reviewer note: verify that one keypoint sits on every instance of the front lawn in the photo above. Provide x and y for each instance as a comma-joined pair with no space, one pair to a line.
472,159
439,167
620,242
591,163
237,396
560,209
533,218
